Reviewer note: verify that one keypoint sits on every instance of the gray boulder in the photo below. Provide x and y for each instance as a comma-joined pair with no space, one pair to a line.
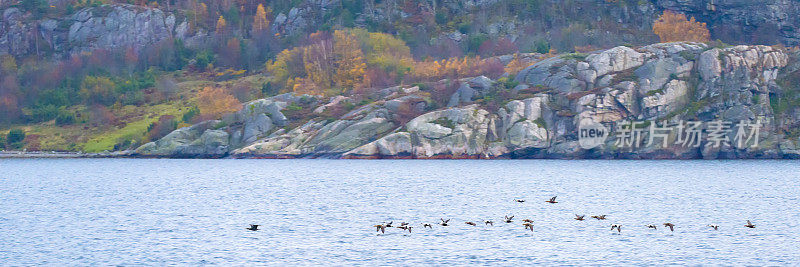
615,60
469,90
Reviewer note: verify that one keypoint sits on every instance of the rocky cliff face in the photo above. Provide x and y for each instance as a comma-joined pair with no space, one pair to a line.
107,27
759,22
732,21
612,23
661,85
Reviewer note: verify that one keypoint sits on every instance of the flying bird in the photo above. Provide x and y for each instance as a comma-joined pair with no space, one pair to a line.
519,200
253,227
488,223
618,226
600,217
671,226
470,223
427,225
552,200
651,226
749,224
527,221
716,227
444,222
508,219
579,218
528,226
405,227
380,228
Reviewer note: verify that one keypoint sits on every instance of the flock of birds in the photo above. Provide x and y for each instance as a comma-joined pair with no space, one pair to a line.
527,223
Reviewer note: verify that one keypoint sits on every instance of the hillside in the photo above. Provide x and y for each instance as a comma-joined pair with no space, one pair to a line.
534,116
383,79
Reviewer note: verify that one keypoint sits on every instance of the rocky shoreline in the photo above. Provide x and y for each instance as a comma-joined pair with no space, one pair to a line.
588,156
668,84
537,115
58,155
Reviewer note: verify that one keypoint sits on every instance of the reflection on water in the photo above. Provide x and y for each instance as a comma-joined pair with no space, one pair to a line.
155,212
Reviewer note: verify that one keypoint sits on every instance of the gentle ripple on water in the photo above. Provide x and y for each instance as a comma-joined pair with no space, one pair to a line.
194,212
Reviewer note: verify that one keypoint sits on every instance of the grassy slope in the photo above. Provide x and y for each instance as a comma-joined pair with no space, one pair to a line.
134,130
88,138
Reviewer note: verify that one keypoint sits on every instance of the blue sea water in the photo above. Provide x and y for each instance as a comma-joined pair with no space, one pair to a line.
322,212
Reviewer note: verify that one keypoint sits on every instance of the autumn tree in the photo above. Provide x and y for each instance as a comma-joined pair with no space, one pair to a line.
387,57
242,91
456,67
100,115
97,90
260,22
502,46
213,102
9,89
516,64
200,12
305,86
9,98
221,24
131,59
8,64
318,59
674,27
230,53
287,64
350,66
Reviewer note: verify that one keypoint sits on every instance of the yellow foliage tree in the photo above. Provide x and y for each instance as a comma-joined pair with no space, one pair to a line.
384,51
97,90
350,66
7,64
260,22
221,24
278,68
287,65
305,86
515,65
674,27
213,102
450,68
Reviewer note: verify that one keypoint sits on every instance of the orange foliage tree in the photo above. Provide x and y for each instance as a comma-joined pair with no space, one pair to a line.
516,65
674,27
213,102
260,22
450,68
305,86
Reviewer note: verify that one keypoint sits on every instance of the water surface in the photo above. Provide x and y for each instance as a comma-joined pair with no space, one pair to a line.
194,212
